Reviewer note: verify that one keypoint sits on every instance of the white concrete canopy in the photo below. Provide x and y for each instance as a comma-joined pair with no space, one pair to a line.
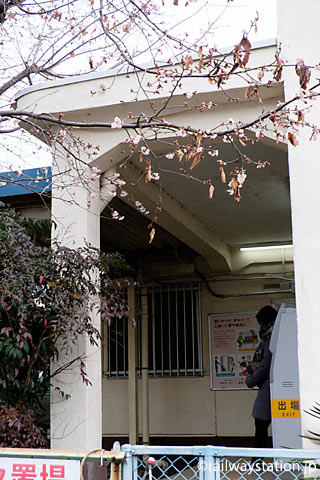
224,223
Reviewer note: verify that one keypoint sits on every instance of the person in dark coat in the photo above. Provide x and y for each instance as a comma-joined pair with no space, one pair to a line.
257,375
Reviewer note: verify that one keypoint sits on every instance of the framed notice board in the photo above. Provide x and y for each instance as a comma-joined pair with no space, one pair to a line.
233,339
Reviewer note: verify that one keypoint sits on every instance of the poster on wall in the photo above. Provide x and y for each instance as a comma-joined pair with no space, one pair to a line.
233,339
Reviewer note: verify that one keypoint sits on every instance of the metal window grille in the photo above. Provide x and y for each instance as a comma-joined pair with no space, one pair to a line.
116,351
115,354
174,334
175,330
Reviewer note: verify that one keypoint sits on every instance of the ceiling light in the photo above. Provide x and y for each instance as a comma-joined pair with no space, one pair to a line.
268,247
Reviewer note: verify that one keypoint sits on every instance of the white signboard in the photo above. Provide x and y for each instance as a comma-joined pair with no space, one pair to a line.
38,469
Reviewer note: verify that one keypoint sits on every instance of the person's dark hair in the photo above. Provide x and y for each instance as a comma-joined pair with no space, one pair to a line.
266,315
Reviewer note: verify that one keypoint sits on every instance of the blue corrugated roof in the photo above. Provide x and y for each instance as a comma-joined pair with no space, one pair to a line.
33,180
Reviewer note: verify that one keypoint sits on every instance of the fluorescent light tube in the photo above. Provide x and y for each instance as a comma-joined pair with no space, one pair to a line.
269,247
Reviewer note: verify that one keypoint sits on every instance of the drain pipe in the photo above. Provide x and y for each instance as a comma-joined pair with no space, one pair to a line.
132,372
145,367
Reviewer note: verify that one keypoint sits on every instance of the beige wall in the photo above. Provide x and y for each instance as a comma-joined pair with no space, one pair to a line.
187,406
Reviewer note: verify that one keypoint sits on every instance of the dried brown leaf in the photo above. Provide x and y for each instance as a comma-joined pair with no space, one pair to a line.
303,73
278,59
241,53
293,139
249,93
152,234
126,27
188,61
245,59
237,195
234,67
277,73
196,160
211,191
237,56
199,138
200,57
252,92
148,172
234,183
245,44
235,186
223,175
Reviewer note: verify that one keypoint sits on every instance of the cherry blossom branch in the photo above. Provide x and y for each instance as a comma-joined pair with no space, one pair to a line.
17,78
117,45
147,123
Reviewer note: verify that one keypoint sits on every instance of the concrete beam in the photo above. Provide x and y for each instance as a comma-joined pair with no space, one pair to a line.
175,218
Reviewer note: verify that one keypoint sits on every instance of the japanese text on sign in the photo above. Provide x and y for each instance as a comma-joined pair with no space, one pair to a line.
38,469
234,338
285,408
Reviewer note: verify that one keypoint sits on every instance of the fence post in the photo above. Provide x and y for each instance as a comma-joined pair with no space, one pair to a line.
115,470
208,468
127,466
210,465
217,466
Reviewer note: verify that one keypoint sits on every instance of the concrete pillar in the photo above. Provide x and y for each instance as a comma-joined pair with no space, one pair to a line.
76,422
298,32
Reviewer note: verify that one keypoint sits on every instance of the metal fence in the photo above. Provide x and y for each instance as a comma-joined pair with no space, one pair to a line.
138,462
218,463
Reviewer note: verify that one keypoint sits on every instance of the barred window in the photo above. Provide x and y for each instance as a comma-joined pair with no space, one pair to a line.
174,337
116,349
174,330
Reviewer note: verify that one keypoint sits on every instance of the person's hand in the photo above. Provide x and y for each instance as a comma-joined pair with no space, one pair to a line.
244,371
